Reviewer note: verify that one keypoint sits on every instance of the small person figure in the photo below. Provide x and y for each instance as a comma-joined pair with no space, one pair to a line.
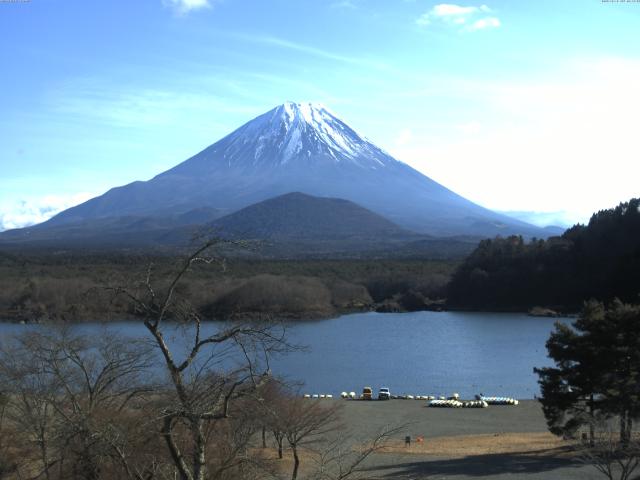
407,441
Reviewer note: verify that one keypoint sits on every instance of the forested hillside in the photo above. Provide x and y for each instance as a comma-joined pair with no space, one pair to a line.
600,260
76,288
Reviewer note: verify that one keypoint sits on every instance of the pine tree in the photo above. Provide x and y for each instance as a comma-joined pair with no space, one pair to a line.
597,372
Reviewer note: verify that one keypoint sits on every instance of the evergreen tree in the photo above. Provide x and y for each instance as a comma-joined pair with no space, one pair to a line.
597,372
600,260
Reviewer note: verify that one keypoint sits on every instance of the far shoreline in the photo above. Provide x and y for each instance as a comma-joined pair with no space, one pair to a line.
287,317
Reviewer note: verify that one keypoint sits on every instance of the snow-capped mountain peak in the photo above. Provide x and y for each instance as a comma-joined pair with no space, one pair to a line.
298,147
314,114
303,133
325,124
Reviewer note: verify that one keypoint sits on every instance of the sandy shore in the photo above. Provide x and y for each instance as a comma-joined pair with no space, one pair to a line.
500,442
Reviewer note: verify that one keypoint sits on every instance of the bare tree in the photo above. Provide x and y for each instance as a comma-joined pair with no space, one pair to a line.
613,457
6,465
87,407
343,458
30,407
315,427
216,369
304,421
270,408
68,395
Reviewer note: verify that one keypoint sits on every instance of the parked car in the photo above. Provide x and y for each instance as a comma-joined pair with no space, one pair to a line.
367,393
384,394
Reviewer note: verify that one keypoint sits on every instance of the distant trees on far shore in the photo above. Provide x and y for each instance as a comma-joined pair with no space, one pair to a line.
600,260
72,288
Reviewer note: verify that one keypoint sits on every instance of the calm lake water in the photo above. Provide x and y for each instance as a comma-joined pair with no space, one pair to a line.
421,353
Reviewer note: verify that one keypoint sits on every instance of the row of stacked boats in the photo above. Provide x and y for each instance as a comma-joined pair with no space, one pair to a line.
497,400
480,402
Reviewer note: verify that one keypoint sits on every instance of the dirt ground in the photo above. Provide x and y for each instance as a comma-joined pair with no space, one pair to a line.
461,446
499,442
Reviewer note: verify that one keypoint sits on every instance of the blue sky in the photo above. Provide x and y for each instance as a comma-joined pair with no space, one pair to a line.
525,106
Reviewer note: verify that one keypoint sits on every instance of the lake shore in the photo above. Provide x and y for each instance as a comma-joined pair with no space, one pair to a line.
9,316
498,442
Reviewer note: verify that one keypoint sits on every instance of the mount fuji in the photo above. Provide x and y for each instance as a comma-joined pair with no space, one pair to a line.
295,147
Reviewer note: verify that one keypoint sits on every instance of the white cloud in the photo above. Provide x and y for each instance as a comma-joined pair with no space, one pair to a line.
488,22
310,50
560,218
448,9
185,6
564,139
449,14
404,137
92,100
37,210
470,128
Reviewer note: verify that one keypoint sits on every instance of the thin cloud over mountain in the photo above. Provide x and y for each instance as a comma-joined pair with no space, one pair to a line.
466,18
37,210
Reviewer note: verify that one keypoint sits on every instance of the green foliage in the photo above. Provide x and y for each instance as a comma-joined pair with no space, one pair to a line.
601,260
597,372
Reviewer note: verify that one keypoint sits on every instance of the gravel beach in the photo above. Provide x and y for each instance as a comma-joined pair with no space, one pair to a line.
499,442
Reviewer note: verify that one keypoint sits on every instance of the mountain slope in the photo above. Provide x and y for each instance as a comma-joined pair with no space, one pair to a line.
297,216
293,225
127,231
300,148
301,225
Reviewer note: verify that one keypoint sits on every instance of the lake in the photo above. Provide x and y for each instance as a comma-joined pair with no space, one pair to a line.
419,353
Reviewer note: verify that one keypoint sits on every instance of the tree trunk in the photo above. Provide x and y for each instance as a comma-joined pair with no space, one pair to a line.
264,437
200,454
174,450
86,466
296,462
2,410
624,435
592,433
279,439
44,449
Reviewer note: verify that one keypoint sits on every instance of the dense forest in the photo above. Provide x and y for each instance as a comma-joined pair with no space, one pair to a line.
75,288
600,260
